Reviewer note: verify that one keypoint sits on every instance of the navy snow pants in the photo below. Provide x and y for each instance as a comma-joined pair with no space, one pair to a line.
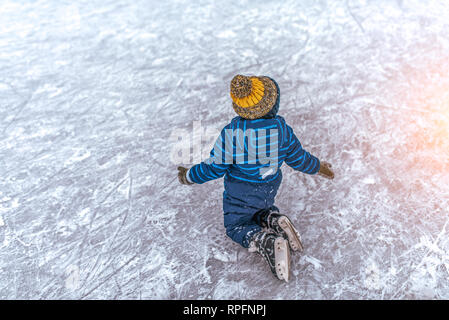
242,202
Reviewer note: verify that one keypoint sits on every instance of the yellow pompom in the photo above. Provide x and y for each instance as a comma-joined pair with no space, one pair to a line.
257,96
256,83
253,98
259,92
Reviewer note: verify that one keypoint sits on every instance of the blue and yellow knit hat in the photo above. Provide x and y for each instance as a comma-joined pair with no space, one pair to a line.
253,97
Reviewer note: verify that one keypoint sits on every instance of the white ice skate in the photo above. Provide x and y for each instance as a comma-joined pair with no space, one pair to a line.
275,250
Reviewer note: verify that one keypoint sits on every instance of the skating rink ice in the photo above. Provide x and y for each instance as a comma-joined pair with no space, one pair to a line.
93,92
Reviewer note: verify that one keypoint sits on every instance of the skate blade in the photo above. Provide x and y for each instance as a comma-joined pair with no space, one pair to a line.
292,234
282,259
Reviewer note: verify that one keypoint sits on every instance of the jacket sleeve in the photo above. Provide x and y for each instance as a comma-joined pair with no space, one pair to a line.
212,168
298,158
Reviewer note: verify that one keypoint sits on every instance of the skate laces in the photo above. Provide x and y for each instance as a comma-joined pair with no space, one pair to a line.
272,220
257,241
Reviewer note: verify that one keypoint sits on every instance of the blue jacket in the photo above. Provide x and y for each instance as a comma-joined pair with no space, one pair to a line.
277,146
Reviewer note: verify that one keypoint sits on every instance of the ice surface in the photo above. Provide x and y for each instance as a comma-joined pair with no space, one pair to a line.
91,91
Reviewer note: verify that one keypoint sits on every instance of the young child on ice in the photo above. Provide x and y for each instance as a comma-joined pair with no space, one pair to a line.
249,153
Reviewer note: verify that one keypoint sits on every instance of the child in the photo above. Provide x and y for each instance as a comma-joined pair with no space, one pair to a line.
249,153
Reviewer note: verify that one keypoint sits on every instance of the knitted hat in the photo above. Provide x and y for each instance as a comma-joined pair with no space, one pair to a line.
253,97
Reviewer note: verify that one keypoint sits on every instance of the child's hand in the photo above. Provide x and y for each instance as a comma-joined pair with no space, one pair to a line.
182,176
325,170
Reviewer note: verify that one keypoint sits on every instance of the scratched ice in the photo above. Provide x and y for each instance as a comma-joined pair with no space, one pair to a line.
91,91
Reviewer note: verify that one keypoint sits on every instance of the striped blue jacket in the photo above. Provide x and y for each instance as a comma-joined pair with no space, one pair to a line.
253,151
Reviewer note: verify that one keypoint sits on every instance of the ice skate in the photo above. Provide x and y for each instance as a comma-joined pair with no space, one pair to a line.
282,225
275,250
